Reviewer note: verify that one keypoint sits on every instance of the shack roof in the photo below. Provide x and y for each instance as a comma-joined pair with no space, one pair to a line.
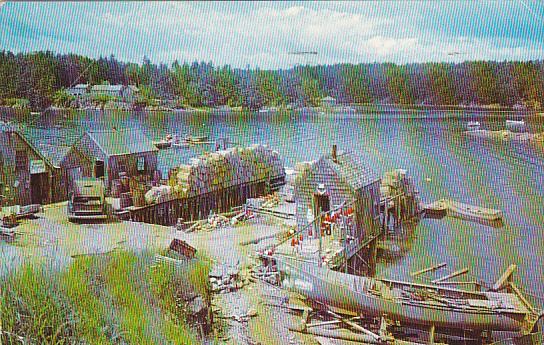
54,153
9,128
80,86
122,142
105,88
352,170
328,98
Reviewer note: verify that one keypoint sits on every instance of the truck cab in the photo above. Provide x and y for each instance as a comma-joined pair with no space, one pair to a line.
87,201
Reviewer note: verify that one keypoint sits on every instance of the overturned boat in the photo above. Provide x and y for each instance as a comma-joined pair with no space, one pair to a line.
412,303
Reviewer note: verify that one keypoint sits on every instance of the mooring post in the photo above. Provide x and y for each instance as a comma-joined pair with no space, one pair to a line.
372,255
431,335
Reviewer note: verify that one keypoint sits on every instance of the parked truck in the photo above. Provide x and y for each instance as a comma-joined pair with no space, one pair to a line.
87,201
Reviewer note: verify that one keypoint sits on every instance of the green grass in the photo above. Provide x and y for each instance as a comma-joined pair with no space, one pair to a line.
31,307
81,286
171,286
109,299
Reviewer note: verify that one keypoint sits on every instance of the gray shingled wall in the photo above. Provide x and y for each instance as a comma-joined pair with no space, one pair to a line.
348,180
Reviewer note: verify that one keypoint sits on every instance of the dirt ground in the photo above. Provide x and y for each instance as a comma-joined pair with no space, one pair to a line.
50,238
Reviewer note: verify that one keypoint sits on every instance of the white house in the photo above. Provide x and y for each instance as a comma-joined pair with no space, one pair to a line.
124,93
79,90
328,101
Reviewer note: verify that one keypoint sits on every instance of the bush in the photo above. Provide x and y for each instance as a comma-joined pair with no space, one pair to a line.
19,103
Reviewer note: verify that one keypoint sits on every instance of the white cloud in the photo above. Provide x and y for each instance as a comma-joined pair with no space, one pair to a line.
262,33
387,45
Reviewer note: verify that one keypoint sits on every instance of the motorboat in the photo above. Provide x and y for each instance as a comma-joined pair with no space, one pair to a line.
192,139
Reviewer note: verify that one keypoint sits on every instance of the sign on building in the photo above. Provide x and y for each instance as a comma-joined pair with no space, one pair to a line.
37,166
141,163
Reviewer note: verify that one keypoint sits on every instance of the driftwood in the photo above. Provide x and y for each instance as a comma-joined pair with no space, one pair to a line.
471,282
428,269
504,279
451,275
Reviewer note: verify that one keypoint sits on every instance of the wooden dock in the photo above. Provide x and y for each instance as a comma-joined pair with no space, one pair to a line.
200,206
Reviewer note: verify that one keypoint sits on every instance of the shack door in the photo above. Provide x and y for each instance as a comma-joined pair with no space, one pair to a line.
99,169
38,188
74,174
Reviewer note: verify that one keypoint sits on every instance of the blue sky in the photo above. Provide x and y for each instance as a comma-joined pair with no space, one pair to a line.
263,33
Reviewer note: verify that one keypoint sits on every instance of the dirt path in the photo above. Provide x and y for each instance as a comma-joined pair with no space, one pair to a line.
270,324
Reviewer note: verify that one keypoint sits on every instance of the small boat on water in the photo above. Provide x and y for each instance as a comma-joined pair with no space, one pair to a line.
180,144
446,207
162,144
515,123
413,303
473,125
470,212
192,139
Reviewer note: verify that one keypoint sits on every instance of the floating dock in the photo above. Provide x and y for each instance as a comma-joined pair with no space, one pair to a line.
451,208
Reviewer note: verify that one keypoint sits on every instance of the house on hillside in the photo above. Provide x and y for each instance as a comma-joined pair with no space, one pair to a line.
122,93
338,179
114,152
79,91
328,101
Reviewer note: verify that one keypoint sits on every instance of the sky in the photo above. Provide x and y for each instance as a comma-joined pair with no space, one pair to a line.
263,34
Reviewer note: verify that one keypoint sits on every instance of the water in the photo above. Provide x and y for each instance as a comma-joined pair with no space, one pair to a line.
432,147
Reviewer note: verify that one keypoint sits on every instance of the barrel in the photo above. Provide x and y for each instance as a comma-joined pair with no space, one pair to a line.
125,200
138,196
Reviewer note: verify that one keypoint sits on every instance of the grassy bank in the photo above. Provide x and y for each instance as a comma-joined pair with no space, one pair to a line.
119,298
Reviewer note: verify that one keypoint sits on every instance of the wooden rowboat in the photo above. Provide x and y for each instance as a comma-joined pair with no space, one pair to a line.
412,303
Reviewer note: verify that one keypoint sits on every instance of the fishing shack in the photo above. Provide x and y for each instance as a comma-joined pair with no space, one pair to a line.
25,173
340,185
69,165
119,153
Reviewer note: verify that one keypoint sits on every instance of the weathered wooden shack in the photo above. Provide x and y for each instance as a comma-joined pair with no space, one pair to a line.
114,152
343,179
25,174
68,165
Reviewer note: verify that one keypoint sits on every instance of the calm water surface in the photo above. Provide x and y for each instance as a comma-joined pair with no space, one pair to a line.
443,162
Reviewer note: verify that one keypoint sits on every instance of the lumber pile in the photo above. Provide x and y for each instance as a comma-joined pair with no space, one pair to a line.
222,169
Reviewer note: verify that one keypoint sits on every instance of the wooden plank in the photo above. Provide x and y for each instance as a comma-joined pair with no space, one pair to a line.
522,298
332,322
471,282
355,326
451,275
505,278
428,269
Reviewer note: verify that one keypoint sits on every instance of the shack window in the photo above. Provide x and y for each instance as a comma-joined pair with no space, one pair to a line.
99,169
141,163
21,160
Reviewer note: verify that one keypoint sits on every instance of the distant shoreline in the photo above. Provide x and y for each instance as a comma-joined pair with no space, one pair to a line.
465,111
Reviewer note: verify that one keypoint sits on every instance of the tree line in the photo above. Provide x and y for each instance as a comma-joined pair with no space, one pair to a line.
38,76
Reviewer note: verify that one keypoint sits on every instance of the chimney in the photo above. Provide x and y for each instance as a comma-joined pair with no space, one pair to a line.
334,155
